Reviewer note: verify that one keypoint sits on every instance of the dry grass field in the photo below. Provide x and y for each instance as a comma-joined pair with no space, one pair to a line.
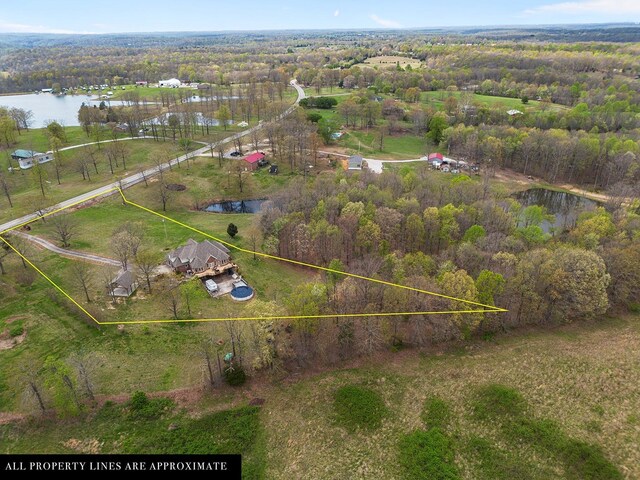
392,61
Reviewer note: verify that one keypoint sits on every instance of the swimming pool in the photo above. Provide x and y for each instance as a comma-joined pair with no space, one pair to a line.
242,293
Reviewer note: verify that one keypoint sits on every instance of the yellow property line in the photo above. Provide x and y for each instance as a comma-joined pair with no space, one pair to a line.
310,265
485,308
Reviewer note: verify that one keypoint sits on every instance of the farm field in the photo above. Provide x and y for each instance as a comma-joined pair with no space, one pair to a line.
392,60
584,389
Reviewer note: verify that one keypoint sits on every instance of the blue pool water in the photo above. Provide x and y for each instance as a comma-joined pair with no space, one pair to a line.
242,293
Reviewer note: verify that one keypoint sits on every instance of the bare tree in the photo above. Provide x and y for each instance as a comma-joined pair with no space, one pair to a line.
165,195
81,273
6,188
66,229
84,364
146,262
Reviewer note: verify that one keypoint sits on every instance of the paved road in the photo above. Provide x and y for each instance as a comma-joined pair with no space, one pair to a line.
139,177
374,164
67,253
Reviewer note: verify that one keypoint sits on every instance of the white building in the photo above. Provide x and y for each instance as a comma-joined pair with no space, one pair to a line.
171,83
27,158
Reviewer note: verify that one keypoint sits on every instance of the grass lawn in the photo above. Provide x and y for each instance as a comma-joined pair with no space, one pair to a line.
162,429
27,196
438,97
398,147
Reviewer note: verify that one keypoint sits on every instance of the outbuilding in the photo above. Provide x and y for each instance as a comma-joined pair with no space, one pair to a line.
27,158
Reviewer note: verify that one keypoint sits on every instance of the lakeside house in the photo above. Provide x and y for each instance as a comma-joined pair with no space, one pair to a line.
27,158
123,285
171,83
207,258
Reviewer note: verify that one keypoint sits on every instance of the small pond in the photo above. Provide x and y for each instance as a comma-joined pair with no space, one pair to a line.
236,206
566,207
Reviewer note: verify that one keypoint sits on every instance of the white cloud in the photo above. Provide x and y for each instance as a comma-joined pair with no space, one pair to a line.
336,13
24,28
383,22
611,7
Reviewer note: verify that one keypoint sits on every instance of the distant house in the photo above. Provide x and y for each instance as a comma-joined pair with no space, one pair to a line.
355,162
141,83
27,158
254,160
200,259
514,112
204,86
123,285
171,83
243,124
436,156
47,90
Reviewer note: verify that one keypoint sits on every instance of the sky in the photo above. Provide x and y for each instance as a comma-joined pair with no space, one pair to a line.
117,16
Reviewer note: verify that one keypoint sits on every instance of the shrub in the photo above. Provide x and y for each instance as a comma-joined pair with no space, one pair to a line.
16,330
235,376
314,117
143,408
436,413
429,455
232,230
359,407
498,400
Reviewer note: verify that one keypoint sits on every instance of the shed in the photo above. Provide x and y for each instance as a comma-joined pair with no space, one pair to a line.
254,159
436,156
355,162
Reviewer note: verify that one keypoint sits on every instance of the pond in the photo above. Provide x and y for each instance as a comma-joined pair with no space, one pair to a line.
566,207
47,107
236,206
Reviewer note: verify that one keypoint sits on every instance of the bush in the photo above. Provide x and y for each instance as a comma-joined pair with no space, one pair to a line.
16,330
428,455
235,377
314,117
359,407
436,413
143,408
232,230
498,400
318,102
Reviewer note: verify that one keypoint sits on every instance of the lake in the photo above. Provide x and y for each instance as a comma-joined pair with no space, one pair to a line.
47,107
566,207
236,206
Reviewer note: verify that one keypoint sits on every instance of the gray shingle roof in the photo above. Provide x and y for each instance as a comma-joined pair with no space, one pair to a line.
196,254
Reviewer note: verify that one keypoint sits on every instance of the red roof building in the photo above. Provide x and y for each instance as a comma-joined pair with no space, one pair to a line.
253,159
436,156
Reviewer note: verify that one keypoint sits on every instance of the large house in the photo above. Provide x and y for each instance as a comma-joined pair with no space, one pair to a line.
200,259
171,83
27,158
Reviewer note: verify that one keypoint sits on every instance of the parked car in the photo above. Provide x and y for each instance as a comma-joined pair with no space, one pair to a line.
235,154
263,162
211,286
273,170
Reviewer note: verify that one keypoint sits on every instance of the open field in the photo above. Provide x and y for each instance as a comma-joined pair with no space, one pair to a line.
585,382
395,146
392,61
437,99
